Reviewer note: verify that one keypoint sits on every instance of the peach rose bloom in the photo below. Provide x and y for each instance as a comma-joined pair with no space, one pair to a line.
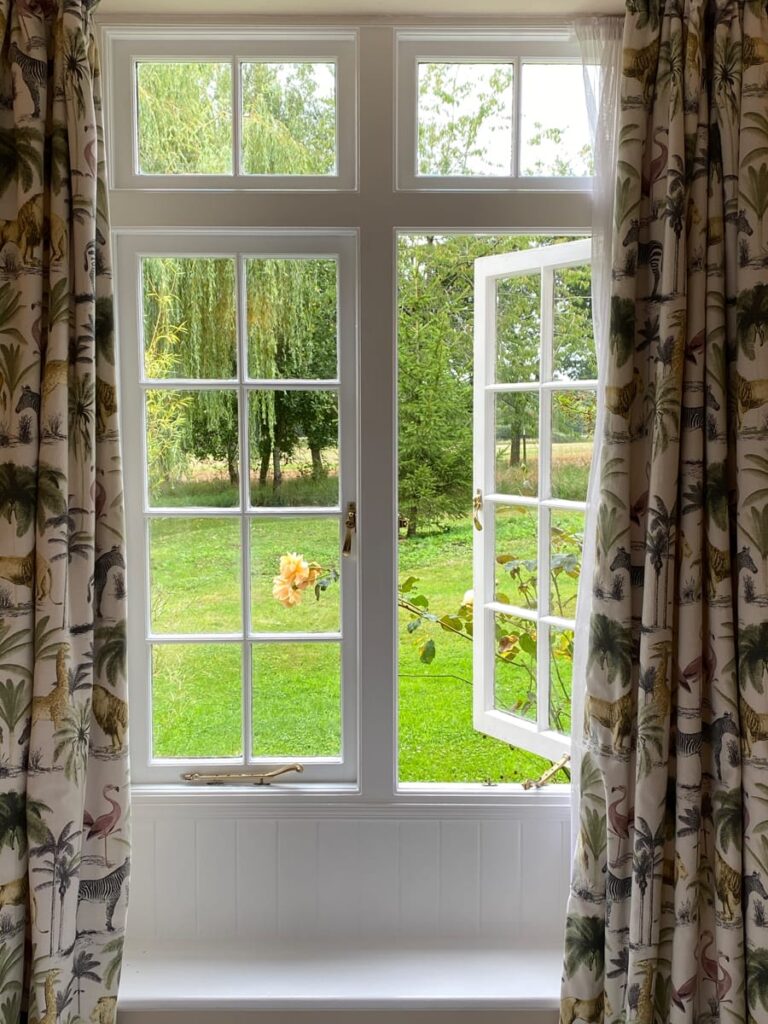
294,569
285,592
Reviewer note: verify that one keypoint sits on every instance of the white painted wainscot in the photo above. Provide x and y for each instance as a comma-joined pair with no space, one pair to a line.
396,912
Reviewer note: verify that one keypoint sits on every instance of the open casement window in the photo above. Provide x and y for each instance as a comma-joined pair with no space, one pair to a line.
240,471
535,398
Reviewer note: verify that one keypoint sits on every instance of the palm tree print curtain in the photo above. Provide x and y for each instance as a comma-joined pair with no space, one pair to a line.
64,854
668,915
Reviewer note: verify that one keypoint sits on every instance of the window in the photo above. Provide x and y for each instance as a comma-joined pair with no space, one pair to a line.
535,406
229,393
296,596
484,112
290,87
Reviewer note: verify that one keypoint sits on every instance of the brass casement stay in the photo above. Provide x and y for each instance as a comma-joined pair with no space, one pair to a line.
549,774
240,778
350,526
477,506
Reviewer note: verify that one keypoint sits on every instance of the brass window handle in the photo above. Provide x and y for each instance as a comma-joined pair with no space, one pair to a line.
350,527
477,506
249,778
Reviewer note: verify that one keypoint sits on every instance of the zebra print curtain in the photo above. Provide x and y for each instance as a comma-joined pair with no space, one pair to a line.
64,840
668,914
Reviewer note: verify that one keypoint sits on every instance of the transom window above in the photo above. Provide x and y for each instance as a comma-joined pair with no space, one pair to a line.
479,110
260,111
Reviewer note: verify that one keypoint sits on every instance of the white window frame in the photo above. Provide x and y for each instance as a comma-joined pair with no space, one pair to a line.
537,736
128,48
532,46
377,211
340,246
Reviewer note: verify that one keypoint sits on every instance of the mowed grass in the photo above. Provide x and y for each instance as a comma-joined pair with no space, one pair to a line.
197,691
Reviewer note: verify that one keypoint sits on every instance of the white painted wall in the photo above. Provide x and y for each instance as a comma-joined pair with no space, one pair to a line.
407,879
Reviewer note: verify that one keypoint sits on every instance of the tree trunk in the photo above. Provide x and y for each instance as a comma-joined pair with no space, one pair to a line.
317,463
53,903
264,465
277,469
62,896
413,517
515,443
232,466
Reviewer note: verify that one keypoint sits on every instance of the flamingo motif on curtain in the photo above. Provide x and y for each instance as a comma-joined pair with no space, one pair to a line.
668,914
64,861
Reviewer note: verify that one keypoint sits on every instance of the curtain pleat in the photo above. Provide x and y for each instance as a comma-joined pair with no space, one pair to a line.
64,829
668,914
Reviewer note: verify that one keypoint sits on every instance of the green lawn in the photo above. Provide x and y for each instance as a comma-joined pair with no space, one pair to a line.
296,687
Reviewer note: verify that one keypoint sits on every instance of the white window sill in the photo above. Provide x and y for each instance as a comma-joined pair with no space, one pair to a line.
318,978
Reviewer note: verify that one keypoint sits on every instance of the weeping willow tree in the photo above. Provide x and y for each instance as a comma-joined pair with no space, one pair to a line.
291,335
288,127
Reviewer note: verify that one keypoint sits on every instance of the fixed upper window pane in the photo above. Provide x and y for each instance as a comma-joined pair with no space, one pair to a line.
554,131
189,325
288,118
291,319
465,118
184,117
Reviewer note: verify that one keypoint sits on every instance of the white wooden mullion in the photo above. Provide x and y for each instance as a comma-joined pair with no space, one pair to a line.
545,491
245,500
237,118
517,117
550,385
483,429
501,608
523,501
253,636
230,383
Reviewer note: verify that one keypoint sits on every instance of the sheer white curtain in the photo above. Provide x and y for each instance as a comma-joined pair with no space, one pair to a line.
600,40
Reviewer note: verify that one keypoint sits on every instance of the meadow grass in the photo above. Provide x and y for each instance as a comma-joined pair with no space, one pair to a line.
196,565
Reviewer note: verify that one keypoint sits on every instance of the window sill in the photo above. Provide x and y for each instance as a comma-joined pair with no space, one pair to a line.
318,978
293,800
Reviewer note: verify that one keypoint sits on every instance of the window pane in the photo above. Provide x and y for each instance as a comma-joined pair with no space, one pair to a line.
189,317
294,448
573,435
436,738
289,118
196,700
517,444
307,596
291,318
518,328
192,447
516,556
574,342
185,117
555,136
297,700
567,538
195,575
465,119
560,676
515,666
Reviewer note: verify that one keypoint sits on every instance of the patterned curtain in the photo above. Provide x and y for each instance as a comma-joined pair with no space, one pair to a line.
668,915
64,853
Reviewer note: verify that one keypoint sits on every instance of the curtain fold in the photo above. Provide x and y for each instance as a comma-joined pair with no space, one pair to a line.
668,914
64,830
600,44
